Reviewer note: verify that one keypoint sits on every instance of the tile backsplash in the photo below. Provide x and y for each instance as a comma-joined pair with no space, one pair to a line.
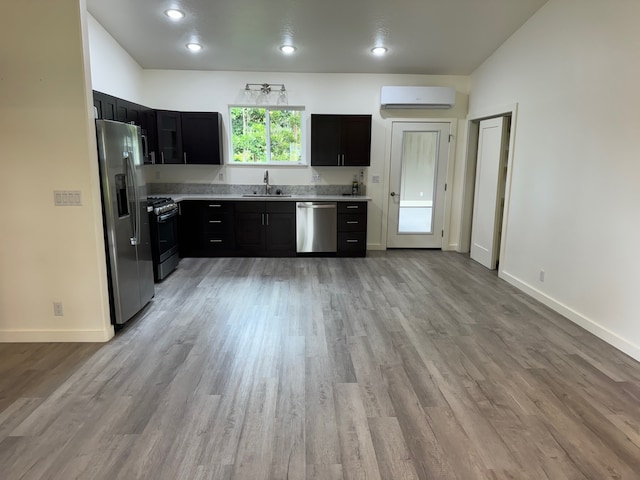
216,188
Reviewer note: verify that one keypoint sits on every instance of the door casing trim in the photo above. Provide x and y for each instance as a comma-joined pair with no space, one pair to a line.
469,159
450,166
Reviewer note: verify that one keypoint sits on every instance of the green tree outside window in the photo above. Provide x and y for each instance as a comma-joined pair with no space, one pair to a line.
266,135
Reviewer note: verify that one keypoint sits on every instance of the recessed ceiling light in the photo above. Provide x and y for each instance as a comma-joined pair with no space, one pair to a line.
287,49
194,47
379,51
174,14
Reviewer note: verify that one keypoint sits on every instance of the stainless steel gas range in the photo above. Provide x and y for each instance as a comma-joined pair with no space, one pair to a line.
163,224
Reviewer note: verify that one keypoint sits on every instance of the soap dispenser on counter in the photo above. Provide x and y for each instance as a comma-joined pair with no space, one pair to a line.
354,185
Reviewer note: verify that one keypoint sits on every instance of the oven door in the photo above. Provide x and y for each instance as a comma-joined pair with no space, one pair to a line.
167,229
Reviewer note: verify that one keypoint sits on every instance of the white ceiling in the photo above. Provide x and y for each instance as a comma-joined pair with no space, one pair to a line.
332,36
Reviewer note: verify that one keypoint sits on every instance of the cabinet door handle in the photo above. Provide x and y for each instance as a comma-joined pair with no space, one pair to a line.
152,156
267,219
343,159
352,223
215,221
352,241
215,241
215,206
184,156
353,206
162,156
262,216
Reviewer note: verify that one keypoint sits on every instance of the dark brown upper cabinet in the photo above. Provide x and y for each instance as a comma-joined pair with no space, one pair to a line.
189,137
105,105
169,137
340,140
114,108
201,138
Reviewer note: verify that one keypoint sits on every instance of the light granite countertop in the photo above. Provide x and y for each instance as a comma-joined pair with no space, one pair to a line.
271,198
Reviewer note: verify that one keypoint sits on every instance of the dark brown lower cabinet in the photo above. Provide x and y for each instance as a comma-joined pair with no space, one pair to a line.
265,228
352,229
209,228
205,229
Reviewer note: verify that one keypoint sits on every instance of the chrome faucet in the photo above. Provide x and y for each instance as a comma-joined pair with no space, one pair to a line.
265,180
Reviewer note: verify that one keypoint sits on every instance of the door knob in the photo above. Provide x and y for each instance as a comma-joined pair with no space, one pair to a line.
393,194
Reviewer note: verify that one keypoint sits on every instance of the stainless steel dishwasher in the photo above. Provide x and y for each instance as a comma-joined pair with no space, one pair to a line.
316,227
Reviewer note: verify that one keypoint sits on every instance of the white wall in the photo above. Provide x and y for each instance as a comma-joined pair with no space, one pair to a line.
573,69
113,70
116,73
48,143
318,93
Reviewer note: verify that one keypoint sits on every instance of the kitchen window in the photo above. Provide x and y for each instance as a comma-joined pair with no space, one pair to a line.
266,135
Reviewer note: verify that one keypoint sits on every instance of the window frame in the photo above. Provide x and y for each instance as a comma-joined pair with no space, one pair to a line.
303,162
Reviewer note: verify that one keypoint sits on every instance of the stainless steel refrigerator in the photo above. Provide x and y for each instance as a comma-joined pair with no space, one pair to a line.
126,221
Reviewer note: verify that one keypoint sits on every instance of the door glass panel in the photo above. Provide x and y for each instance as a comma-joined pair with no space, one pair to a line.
418,182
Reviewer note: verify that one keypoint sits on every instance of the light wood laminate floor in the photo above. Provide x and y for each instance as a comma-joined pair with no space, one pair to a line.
401,365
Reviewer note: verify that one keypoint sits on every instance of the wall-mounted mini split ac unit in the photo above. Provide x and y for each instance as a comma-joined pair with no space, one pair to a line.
417,97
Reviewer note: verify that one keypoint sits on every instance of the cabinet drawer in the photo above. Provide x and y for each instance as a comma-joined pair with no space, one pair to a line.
215,242
352,223
352,207
213,207
352,243
218,223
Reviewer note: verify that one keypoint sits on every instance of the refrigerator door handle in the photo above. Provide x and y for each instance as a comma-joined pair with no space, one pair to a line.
134,214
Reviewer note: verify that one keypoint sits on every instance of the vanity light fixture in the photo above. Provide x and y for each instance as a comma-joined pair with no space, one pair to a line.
287,49
260,93
379,51
194,47
174,14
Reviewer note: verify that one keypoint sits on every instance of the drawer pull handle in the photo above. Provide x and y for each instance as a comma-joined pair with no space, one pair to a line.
352,223
215,221
352,241
215,241
353,206
215,206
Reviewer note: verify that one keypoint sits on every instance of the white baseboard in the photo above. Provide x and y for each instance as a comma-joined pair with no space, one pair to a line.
55,336
591,326
452,247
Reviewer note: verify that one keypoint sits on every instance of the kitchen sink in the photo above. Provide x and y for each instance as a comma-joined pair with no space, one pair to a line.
263,195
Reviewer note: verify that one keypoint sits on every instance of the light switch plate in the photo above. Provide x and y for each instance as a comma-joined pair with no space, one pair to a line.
67,198
375,179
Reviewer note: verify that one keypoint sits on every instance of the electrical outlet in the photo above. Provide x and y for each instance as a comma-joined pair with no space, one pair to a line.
541,276
315,178
221,176
57,309
375,179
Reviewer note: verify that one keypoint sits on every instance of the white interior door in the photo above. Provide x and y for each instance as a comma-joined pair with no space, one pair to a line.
489,191
418,171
